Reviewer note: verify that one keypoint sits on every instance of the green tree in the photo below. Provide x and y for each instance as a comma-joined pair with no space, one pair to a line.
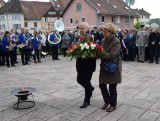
137,25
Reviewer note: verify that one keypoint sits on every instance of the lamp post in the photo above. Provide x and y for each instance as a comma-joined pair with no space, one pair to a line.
129,3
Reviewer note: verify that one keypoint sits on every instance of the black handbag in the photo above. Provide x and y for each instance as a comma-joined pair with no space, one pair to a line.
110,67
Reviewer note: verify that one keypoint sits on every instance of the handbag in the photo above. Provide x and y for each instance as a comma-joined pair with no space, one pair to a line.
110,67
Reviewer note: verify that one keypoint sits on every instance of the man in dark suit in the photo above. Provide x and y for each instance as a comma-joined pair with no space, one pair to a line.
154,39
131,45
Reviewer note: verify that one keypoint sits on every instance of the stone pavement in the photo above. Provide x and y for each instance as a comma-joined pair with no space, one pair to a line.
59,96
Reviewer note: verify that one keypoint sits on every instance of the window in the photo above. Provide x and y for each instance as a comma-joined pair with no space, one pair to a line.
25,24
15,17
3,26
142,16
16,26
127,19
35,24
147,17
83,19
45,19
79,7
118,19
113,19
71,20
46,27
103,18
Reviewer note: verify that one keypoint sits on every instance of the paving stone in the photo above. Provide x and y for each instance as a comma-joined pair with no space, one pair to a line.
150,115
58,119
59,96
96,116
127,109
112,117
45,113
83,112
24,118
70,116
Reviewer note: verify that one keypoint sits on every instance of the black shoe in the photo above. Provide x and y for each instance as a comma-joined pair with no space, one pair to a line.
157,62
23,64
8,66
104,106
150,61
142,61
85,104
16,62
27,63
40,61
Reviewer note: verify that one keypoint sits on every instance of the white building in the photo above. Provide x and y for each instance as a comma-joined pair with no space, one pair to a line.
144,17
17,14
11,16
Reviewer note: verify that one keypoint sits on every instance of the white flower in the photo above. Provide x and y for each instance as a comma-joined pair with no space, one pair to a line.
93,46
82,47
85,44
87,47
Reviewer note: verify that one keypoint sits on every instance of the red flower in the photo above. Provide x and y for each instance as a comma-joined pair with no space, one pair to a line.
81,38
88,43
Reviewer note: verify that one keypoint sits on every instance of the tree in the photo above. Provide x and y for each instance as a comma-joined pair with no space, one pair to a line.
137,25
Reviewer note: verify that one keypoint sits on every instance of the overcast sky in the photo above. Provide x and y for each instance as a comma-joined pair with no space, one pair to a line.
151,6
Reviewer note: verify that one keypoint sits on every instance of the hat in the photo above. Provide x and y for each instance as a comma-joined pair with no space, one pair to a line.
110,27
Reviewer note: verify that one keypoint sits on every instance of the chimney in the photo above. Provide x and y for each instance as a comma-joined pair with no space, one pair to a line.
142,8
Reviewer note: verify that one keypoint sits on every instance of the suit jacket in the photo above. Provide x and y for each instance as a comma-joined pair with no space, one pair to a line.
5,44
131,41
141,39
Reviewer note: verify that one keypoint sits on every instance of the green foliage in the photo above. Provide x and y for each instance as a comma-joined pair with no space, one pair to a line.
137,25
156,20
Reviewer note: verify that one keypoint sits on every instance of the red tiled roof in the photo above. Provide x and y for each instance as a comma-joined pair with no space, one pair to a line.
2,1
61,4
34,10
114,7
141,12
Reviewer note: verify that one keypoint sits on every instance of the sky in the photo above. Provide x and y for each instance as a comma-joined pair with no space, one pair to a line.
151,6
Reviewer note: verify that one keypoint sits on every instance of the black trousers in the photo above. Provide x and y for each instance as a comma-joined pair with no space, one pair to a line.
131,54
124,55
154,52
24,56
0,57
84,79
15,54
44,50
64,51
109,96
36,55
54,52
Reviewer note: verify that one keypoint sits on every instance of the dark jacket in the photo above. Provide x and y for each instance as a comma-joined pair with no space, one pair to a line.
131,41
111,47
86,65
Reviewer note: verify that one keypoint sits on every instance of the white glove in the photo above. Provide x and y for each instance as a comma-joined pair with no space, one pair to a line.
137,45
146,45
6,46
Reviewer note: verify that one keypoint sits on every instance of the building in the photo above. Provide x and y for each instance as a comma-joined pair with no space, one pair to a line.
154,26
11,16
33,12
31,15
98,12
144,17
48,19
1,3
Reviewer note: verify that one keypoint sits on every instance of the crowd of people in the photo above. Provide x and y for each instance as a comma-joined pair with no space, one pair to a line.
143,44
